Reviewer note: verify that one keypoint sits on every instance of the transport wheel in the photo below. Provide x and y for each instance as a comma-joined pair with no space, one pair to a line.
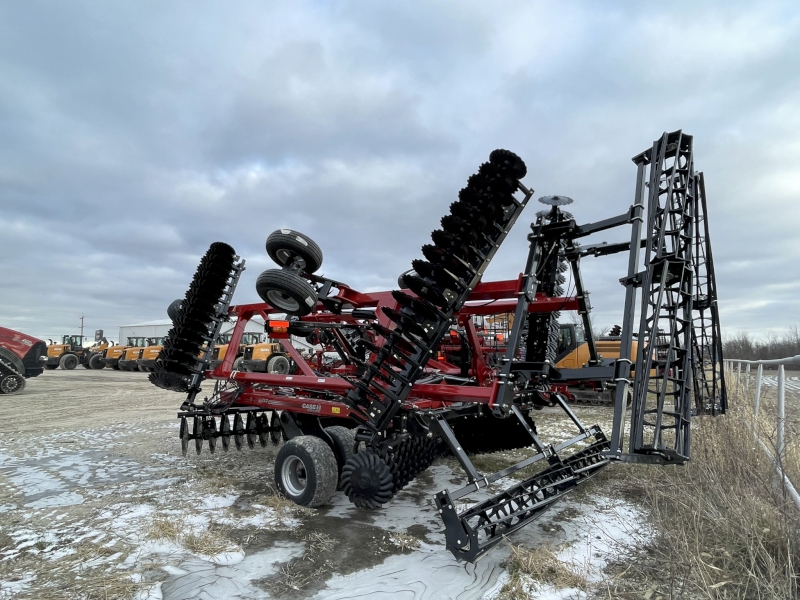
285,246
305,471
277,364
11,383
97,362
286,291
173,310
344,440
68,362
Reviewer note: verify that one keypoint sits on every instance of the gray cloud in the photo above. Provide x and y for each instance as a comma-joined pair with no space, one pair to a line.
135,135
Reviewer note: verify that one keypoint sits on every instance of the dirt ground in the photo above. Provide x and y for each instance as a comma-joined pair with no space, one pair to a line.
96,501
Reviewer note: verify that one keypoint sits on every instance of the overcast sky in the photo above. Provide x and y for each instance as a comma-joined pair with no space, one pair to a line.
134,134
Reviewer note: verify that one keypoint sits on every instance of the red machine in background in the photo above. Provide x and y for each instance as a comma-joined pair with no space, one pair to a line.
19,359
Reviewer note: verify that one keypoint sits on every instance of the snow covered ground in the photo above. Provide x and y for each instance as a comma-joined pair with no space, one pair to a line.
117,509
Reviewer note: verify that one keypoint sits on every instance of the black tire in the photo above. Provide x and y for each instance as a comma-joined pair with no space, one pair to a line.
68,362
401,282
287,292
278,364
51,367
237,363
174,309
286,245
96,362
344,440
12,383
305,471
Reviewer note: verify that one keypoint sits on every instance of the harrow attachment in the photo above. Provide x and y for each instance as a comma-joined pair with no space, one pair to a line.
475,530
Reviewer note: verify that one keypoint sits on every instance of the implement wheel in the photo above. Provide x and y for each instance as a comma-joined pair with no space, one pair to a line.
11,384
305,471
286,246
343,443
287,292
68,362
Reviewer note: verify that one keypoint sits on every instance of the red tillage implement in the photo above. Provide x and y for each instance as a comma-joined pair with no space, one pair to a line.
401,396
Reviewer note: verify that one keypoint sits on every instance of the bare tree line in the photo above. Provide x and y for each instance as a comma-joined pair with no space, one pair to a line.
771,347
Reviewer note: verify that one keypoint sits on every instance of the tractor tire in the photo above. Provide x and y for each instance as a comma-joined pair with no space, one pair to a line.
287,292
11,383
278,364
285,246
344,441
85,362
305,471
51,367
174,309
237,364
68,362
96,362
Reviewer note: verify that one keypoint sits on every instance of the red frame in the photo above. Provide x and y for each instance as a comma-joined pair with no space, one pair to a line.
489,298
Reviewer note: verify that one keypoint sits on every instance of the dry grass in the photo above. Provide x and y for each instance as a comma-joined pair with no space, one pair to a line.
86,574
209,542
526,566
404,541
283,507
722,528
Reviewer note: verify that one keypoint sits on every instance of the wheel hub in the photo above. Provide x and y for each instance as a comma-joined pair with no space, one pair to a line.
294,476
283,301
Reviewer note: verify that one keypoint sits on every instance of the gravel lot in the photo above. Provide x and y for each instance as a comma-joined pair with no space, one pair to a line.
96,501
